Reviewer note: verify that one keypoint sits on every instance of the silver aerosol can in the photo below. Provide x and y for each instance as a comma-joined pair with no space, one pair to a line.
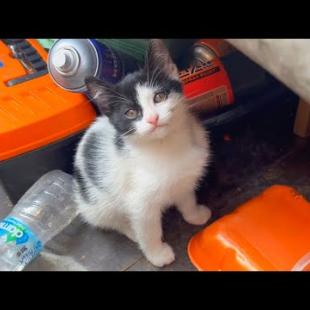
70,61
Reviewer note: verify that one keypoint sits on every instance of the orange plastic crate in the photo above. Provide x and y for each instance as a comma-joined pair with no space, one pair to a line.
37,112
268,233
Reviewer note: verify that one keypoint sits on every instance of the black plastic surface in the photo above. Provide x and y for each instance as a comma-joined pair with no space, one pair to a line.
246,77
19,173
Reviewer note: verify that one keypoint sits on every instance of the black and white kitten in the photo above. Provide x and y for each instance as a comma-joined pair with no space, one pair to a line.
145,153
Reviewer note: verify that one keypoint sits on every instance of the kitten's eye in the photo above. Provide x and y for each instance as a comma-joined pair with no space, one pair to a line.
159,97
131,114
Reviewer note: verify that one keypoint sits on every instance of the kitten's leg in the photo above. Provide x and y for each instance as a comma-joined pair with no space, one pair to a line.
106,218
191,212
123,226
148,229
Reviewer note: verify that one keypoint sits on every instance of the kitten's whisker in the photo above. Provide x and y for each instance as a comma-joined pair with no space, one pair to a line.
119,94
157,72
155,75
127,132
147,68
119,98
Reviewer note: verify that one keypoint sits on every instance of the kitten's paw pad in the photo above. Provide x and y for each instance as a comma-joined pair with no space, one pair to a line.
200,216
163,256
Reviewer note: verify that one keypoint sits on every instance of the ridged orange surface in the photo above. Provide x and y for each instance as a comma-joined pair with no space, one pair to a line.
271,232
37,112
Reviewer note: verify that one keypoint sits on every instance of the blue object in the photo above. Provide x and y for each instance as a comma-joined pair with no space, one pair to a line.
27,244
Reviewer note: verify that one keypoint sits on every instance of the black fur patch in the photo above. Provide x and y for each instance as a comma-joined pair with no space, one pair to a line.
90,150
81,184
119,142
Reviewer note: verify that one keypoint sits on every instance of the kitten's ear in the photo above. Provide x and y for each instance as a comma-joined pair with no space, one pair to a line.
99,93
158,57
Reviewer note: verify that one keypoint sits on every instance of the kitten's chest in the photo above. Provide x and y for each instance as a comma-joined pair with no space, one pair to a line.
168,166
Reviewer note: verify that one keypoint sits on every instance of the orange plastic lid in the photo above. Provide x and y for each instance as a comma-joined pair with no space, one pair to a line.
37,112
268,233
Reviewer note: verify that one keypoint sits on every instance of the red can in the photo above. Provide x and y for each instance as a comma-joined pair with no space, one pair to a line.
207,86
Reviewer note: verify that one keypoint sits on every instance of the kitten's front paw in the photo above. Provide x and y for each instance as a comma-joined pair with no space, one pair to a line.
200,216
163,256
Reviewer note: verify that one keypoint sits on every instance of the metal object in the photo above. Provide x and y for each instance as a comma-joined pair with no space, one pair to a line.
203,53
26,78
207,86
206,50
19,56
70,61
29,58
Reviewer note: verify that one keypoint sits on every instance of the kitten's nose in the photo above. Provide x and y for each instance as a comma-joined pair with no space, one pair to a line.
153,119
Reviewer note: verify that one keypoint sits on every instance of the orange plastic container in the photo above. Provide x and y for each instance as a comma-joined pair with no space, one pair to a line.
268,233
37,112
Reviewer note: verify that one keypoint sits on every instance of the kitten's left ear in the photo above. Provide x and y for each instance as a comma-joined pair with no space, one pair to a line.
158,58
99,93
95,87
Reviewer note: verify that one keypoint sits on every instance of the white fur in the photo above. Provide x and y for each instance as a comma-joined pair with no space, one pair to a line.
158,168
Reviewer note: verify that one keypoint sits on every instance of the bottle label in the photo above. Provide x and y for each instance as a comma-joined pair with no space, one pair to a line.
207,86
27,245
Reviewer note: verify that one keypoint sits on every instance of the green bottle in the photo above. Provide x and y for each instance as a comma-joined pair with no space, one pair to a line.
137,47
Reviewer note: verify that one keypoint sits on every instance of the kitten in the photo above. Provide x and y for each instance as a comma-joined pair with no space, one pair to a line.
145,153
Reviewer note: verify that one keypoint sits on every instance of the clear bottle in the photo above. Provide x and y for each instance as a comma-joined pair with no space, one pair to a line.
43,211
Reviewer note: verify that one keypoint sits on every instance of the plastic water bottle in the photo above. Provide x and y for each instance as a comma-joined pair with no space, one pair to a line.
44,210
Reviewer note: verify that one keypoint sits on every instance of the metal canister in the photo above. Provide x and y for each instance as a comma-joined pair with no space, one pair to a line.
207,49
70,61
207,86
